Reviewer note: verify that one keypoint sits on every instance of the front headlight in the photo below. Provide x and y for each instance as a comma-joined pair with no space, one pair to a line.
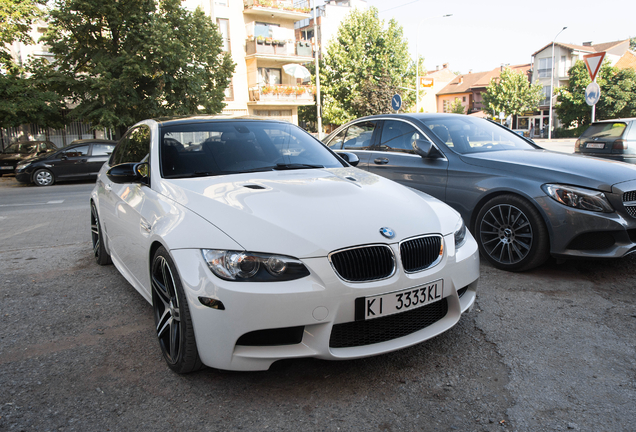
584,199
253,267
22,166
460,233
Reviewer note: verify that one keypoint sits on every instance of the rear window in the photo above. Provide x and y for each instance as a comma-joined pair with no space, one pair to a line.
605,130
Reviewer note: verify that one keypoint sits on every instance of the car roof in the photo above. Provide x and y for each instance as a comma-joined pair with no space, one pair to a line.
616,120
171,121
90,141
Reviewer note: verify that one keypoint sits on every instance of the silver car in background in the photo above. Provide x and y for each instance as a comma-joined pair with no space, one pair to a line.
522,203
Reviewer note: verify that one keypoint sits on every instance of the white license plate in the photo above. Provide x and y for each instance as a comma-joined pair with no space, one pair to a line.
398,301
6,168
595,145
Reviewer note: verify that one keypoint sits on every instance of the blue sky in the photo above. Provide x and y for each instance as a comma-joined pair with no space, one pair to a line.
483,35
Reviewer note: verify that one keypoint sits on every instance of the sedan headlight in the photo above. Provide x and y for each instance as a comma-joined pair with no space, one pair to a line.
22,166
460,233
253,267
584,199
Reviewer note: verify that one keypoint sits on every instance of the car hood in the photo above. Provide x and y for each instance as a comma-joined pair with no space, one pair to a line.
309,213
12,156
554,167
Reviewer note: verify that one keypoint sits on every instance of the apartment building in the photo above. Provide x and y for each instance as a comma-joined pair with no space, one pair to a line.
549,75
260,36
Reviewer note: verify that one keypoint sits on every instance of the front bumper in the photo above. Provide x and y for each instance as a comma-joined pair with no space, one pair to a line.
311,305
23,176
586,234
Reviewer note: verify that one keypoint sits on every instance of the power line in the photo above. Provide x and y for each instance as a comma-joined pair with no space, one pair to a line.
405,4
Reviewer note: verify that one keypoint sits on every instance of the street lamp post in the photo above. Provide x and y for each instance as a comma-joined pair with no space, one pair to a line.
552,68
318,106
417,63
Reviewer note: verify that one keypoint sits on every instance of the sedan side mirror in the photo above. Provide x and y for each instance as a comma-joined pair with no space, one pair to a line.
424,148
129,173
351,158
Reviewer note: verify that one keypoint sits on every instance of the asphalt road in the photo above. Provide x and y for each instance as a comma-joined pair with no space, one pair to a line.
550,349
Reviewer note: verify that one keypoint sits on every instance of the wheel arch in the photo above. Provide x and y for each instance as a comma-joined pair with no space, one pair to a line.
493,194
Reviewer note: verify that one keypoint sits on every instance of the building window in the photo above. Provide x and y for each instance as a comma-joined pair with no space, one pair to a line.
464,99
547,91
446,106
563,67
269,76
224,29
545,67
229,92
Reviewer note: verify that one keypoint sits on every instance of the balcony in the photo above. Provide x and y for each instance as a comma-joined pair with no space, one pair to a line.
272,48
279,8
282,94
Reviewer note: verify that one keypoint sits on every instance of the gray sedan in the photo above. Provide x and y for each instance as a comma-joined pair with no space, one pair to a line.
522,203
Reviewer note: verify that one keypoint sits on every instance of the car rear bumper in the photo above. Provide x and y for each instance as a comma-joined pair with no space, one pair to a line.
298,317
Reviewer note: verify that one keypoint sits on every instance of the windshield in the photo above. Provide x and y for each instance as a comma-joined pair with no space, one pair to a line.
21,148
230,147
602,130
466,134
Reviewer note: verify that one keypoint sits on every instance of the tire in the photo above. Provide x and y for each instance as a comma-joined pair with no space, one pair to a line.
172,316
99,250
43,177
511,234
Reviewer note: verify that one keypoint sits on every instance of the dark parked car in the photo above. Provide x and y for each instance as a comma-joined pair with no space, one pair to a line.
522,203
611,139
19,151
79,161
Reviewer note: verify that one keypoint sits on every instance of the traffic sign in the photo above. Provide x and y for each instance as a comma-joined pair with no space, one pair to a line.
427,82
592,94
396,102
593,63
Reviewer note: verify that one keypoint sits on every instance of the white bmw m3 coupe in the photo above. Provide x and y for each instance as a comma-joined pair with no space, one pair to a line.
254,243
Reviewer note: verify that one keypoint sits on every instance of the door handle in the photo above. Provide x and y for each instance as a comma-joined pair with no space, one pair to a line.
381,161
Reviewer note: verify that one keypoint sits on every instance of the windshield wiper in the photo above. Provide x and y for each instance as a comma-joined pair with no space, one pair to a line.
292,166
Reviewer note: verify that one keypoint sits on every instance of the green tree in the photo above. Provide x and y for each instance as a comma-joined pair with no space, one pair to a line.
120,62
362,53
618,95
16,19
457,107
632,44
512,94
374,97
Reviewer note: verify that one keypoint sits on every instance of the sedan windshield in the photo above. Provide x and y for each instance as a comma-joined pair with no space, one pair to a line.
21,148
466,134
230,147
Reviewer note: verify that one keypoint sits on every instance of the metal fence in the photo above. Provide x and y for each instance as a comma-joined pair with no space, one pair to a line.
60,137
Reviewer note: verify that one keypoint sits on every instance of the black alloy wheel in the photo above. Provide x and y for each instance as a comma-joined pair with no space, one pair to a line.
511,234
172,316
99,250
43,177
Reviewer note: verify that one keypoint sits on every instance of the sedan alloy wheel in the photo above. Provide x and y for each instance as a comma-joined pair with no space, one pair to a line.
43,177
172,316
511,234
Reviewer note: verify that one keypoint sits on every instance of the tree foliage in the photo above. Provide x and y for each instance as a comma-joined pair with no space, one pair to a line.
632,44
374,97
361,55
457,107
120,62
16,19
512,94
618,95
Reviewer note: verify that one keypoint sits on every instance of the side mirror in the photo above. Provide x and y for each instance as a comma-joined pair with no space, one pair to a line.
350,158
129,173
423,148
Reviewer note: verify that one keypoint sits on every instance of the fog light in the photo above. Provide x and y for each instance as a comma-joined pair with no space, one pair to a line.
212,303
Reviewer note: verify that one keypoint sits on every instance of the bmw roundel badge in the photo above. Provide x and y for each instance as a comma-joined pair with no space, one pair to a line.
387,232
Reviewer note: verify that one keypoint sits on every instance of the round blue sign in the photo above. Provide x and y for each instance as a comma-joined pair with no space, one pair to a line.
396,102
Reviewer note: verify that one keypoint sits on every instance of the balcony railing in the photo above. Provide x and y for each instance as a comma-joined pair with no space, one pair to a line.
268,46
285,5
282,93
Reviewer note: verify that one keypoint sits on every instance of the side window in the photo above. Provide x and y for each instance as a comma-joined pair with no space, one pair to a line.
359,135
138,145
102,149
398,136
133,147
336,142
76,151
